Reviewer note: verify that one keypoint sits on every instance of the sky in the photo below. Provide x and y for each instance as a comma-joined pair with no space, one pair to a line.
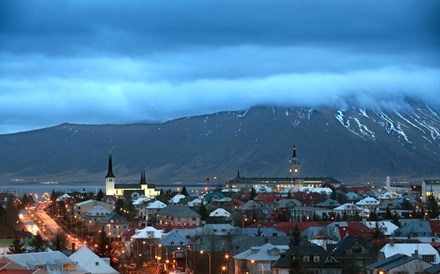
116,62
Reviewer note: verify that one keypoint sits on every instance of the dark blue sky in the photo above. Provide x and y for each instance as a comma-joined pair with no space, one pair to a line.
134,61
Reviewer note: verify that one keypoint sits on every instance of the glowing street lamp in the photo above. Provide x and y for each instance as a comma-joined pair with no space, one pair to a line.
209,259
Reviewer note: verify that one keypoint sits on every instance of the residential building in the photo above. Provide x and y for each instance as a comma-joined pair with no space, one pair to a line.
312,258
91,262
398,263
177,215
258,259
424,251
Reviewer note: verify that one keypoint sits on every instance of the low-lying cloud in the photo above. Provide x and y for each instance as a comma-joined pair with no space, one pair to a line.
103,62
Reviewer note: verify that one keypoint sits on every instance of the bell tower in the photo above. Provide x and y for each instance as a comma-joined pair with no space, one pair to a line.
294,165
110,178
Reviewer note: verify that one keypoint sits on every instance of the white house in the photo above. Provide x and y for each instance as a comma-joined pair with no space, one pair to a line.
426,252
91,262
368,202
258,259
387,227
220,212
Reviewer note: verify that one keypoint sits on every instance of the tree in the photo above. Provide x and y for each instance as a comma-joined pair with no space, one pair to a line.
252,194
184,191
99,195
432,206
38,243
11,216
295,237
103,247
17,246
59,241
203,212
388,215
406,205
297,263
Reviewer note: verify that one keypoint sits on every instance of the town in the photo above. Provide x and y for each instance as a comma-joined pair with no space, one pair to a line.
277,225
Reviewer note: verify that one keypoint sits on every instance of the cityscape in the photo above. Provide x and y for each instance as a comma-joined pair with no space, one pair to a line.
290,224
219,137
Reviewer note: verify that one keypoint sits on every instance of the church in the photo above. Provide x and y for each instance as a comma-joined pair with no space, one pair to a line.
120,190
278,184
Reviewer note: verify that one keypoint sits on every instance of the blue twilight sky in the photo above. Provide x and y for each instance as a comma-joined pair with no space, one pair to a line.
107,61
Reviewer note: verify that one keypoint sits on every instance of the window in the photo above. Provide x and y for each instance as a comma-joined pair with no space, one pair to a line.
306,259
68,267
428,258
316,259
357,250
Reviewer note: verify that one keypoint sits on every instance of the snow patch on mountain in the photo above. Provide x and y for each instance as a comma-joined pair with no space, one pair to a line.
392,127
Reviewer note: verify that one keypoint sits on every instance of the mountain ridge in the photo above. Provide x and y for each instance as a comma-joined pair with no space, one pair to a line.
353,144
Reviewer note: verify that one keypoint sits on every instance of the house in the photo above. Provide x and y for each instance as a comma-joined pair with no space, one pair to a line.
353,254
349,209
114,224
312,258
54,262
258,259
176,215
94,215
426,252
176,199
398,263
91,262
329,203
368,202
82,208
9,267
220,212
149,212
386,227
147,232
415,228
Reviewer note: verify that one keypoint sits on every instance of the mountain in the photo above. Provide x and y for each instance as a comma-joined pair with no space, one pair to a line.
353,145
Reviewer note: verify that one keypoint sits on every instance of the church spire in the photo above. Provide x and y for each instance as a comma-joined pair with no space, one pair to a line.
110,168
143,181
238,173
294,152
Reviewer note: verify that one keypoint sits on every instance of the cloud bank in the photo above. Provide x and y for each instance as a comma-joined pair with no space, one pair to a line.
104,62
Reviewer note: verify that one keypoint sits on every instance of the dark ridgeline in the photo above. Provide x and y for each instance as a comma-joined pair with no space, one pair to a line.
353,145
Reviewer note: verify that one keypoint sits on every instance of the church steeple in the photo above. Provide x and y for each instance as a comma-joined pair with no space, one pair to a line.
143,181
238,173
110,168
294,152
294,166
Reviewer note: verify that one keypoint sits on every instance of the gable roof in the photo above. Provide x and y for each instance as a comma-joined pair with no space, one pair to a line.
409,249
266,252
91,262
339,249
219,212
178,211
34,259
155,205
391,262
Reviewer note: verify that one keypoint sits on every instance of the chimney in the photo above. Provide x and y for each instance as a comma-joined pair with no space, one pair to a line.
387,182
416,253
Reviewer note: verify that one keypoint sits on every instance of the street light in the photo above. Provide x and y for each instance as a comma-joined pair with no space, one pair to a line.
209,259
166,251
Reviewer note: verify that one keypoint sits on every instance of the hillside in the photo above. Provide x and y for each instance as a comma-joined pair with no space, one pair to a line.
353,145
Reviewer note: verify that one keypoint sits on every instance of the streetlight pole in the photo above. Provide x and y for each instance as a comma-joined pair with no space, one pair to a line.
209,259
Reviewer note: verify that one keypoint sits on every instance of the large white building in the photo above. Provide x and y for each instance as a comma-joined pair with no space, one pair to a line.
142,188
430,187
